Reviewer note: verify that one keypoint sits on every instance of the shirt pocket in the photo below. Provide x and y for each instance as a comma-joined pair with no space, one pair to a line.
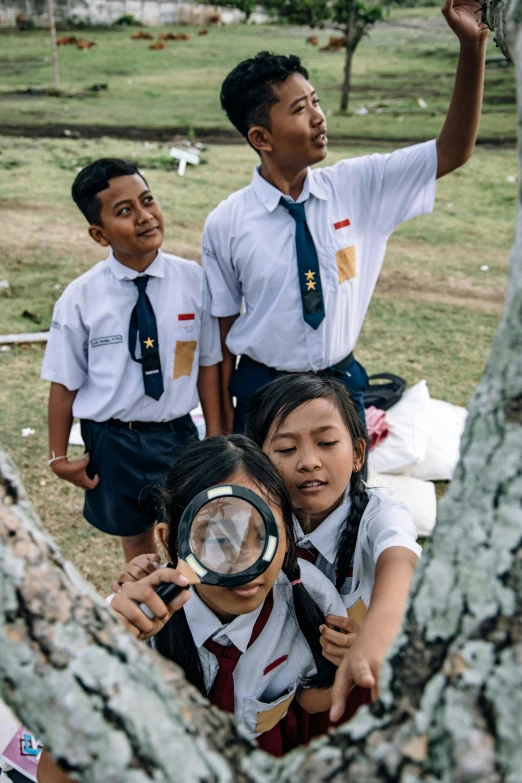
345,251
185,351
353,601
259,716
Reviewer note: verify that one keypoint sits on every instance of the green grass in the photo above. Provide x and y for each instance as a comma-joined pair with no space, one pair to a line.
433,315
411,55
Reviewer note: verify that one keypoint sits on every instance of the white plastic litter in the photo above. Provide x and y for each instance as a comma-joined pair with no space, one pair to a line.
184,156
422,103
511,179
75,438
484,268
445,423
362,112
26,431
408,438
418,495
4,283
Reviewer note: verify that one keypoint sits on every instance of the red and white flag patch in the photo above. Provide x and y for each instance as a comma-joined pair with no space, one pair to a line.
341,224
275,664
186,317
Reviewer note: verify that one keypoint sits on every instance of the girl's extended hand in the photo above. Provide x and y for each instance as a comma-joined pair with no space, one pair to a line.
337,636
127,602
136,569
361,666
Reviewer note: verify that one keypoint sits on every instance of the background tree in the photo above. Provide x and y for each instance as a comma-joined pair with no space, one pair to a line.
352,18
246,6
112,711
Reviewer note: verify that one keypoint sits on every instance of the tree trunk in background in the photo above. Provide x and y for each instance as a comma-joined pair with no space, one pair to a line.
54,48
350,48
451,690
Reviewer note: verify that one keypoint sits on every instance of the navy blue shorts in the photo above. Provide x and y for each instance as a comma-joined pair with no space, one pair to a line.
131,465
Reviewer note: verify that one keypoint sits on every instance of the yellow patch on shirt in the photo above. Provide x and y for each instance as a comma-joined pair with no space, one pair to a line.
184,357
269,718
358,611
346,263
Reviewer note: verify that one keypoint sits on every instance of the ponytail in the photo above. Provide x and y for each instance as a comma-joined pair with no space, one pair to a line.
348,535
309,617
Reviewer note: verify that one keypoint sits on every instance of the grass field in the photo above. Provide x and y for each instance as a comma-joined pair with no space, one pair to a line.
433,315
411,55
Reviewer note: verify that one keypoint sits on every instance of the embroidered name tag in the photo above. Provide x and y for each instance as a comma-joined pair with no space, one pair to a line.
341,224
98,341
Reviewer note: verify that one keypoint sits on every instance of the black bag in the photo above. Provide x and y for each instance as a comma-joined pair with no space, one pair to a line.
384,395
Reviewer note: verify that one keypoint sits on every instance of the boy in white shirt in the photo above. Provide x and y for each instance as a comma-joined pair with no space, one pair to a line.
131,344
292,259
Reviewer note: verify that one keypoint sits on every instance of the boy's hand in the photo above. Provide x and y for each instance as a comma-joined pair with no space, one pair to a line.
127,602
360,666
464,18
137,569
73,470
337,636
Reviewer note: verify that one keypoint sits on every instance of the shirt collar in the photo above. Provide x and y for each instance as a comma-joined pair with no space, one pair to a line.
204,624
122,272
325,537
270,196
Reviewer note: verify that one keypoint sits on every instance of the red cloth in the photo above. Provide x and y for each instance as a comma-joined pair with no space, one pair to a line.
282,737
376,425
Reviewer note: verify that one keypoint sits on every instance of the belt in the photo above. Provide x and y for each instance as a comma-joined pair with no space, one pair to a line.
143,426
341,365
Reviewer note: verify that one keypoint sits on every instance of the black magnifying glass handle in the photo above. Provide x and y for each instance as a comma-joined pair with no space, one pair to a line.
167,593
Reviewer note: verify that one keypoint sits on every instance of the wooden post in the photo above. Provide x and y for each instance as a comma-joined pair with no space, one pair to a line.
54,48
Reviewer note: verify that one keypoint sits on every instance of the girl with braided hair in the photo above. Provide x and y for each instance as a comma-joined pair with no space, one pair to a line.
362,539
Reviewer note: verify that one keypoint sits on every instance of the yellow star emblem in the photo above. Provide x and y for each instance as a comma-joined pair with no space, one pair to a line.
309,275
149,343
310,285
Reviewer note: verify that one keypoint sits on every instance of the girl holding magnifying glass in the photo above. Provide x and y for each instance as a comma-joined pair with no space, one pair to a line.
251,648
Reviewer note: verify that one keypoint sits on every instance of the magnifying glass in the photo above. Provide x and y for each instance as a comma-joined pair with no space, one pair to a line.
227,537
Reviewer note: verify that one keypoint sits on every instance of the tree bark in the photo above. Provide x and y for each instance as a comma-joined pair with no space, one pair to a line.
111,710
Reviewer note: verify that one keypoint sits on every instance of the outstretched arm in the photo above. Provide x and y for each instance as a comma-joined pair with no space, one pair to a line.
362,663
459,133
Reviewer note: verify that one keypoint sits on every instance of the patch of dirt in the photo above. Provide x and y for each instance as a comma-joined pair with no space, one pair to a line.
210,135
416,284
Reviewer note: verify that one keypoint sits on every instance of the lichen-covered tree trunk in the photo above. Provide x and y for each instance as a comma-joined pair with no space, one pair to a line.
451,691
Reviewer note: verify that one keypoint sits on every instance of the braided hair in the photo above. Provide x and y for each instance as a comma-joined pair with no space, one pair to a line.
211,462
273,403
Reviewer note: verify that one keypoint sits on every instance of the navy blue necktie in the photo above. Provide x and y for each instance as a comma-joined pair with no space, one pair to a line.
143,323
307,266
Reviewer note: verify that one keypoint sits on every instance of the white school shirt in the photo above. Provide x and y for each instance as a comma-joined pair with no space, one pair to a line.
249,254
386,522
269,672
88,346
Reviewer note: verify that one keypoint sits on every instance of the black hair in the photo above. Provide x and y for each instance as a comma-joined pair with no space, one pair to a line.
93,179
248,93
210,462
272,403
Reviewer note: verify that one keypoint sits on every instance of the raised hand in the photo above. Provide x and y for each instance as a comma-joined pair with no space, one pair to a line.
464,18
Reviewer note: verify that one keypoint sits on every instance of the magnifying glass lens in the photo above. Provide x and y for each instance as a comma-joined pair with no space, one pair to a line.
228,535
